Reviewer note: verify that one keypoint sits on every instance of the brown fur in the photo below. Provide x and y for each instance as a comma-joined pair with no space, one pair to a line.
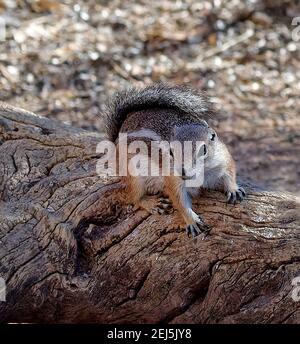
220,172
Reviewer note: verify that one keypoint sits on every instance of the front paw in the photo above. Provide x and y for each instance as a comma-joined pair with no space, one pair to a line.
196,229
237,196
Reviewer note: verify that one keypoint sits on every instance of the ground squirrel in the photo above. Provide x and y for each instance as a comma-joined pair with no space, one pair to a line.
173,113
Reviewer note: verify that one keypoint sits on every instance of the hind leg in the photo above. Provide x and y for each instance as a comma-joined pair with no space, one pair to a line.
139,189
136,190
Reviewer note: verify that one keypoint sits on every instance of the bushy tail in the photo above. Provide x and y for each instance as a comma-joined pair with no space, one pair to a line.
182,98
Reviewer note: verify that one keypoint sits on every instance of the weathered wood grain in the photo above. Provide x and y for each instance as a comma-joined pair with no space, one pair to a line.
72,251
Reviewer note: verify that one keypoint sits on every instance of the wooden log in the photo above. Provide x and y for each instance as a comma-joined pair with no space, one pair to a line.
72,251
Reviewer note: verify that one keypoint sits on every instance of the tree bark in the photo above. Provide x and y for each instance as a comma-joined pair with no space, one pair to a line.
72,251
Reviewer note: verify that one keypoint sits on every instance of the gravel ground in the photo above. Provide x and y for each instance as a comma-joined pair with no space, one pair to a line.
64,59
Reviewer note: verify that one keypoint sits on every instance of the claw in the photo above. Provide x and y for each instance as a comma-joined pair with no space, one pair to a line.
236,196
232,199
165,200
194,229
242,191
164,206
239,195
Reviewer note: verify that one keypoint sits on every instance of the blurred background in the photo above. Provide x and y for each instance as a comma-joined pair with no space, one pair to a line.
63,59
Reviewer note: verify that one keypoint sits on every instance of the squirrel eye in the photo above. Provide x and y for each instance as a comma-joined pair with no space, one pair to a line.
213,136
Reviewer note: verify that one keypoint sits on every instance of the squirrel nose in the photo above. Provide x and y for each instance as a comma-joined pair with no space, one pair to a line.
183,172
